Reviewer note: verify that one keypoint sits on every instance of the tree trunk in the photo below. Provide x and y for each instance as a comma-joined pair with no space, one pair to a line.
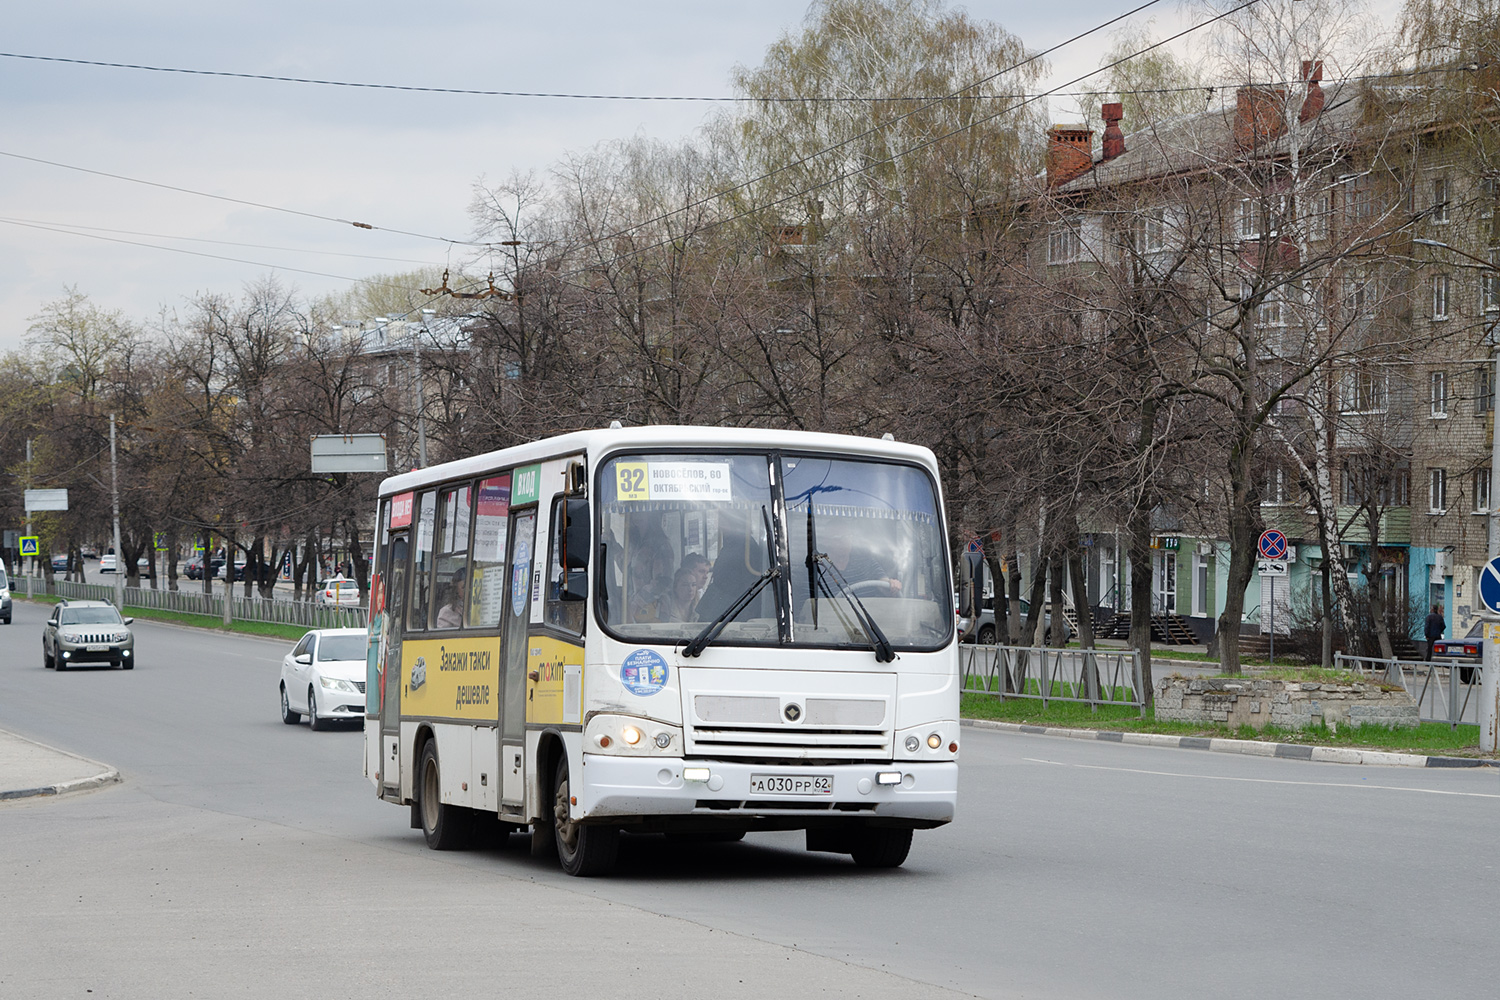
1057,631
357,559
1244,520
1090,669
1140,596
1327,658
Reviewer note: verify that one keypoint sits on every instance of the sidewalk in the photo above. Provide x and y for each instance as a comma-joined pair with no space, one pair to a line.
29,769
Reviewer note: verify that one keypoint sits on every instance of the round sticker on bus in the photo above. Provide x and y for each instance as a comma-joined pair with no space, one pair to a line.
643,672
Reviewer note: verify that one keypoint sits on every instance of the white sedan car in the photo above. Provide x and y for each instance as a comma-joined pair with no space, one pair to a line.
338,591
323,678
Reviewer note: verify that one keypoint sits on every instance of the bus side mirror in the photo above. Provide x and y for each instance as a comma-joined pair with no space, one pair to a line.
970,584
576,534
575,586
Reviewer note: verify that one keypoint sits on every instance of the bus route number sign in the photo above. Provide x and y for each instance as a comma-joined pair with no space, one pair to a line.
630,478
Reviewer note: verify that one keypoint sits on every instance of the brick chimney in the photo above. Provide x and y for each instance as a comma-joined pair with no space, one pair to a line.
1114,139
1312,106
1258,116
1070,153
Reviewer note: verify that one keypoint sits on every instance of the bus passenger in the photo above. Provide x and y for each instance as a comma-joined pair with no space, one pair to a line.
681,605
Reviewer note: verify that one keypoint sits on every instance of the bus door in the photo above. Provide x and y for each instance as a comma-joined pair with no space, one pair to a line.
394,573
513,648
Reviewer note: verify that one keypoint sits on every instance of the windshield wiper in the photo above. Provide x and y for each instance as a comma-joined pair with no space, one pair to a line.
826,570
712,629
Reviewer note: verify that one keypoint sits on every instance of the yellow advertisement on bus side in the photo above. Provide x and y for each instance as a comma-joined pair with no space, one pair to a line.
554,681
451,678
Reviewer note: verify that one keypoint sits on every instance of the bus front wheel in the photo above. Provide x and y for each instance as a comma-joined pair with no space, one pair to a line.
881,847
446,828
581,849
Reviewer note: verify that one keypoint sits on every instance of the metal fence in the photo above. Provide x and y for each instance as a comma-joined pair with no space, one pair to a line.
307,614
1091,676
1443,690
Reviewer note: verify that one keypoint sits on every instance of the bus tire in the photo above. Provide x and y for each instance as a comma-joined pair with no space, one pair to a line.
582,849
445,828
881,847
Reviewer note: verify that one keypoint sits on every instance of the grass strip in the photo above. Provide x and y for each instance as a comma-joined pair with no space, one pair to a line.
1427,738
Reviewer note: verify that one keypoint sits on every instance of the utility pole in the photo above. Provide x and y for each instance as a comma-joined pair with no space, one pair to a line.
30,571
114,476
421,406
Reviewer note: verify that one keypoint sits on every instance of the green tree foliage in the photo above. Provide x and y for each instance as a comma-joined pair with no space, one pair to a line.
845,107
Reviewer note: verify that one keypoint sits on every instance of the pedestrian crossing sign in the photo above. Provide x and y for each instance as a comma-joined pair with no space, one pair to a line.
31,545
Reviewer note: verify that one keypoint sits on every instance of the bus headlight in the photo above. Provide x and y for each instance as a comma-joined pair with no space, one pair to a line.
633,737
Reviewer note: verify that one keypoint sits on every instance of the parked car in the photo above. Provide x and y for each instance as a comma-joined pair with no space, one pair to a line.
337,591
238,573
1469,649
87,632
983,631
4,596
323,678
107,562
89,552
193,569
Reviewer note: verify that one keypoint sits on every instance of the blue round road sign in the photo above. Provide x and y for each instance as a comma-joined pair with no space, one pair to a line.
1272,544
1489,585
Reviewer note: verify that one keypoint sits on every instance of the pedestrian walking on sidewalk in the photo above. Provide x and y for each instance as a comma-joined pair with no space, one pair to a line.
1435,627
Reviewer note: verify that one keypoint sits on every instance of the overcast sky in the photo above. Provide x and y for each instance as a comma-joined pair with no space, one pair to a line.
396,160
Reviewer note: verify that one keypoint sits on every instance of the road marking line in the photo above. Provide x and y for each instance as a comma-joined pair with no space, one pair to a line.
1265,781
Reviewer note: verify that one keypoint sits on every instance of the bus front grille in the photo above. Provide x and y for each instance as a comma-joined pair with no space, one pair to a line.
789,743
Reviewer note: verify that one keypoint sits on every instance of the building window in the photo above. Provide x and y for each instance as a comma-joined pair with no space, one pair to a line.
1439,394
1151,231
1249,219
1437,491
1440,200
1440,296
1481,491
1395,489
1274,492
1362,391
1317,220
1489,283
1063,243
1484,389
1489,188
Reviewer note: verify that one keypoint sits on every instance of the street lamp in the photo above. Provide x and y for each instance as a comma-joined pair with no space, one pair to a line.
1489,696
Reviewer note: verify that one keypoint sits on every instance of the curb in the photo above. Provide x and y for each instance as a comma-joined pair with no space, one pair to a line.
107,776
1253,748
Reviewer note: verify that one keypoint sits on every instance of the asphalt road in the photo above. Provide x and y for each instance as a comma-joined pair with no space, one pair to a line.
242,857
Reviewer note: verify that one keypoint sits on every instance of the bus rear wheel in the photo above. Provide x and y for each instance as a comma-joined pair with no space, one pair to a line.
582,849
446,828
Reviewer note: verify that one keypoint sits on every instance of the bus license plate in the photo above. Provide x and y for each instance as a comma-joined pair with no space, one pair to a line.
791,784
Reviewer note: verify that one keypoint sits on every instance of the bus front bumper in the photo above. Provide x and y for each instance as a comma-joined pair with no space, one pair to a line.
925,792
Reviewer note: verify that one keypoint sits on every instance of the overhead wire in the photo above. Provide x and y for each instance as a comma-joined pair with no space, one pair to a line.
699,98
204,239
240,201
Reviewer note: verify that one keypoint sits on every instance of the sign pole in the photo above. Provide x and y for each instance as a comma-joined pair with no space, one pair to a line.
1273,619
31,571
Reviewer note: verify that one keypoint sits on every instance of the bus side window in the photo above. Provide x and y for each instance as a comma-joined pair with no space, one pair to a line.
452,564
567,615
421,565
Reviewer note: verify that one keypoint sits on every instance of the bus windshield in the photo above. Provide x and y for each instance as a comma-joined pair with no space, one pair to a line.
851,551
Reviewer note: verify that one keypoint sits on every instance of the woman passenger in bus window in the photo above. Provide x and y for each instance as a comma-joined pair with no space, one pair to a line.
681,605
451,614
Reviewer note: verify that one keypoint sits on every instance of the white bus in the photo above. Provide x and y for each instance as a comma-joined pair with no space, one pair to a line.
689,631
